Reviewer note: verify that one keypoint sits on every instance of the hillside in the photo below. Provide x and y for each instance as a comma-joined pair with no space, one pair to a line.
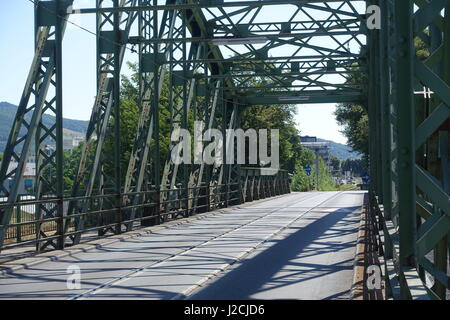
8,112
341,151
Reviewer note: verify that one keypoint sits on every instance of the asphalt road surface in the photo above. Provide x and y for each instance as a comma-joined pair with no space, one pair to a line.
298,246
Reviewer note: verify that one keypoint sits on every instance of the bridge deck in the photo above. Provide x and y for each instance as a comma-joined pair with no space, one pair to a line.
298,246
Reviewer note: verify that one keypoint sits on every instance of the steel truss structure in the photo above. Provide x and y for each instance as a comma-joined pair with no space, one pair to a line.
409,118
216,57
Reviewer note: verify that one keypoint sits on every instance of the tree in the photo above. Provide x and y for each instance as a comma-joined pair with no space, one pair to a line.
292,156
356,166
129,118
301,182
354,119
279,117
335,164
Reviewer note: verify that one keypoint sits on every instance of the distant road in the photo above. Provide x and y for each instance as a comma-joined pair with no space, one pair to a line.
297,246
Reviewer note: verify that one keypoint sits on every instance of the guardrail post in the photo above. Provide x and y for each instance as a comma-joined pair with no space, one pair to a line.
118,218
208,197
19,220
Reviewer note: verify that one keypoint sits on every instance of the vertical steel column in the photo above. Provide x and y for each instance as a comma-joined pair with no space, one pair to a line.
187,94
90,167
403,88
59,128
116,115
434,160
371,107
386,138
235,174
392,63
155,112
444,149
141,166
207,116
40,78
378,114
49,160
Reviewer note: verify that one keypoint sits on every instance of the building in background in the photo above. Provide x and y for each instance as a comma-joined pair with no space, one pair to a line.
72,139
29,176
322,149
72,142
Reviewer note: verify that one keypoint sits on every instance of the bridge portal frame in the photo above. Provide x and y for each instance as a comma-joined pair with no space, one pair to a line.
178,48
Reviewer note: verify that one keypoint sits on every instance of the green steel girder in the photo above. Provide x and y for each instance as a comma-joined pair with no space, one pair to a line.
171,5
350,28
411,177
106,106
143,170
45,72
307,97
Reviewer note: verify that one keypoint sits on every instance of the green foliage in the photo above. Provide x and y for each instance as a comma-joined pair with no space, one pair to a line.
276,117
129,119
355,121
356,166
292,156
326,182
422,50
71,162
335,164
301,182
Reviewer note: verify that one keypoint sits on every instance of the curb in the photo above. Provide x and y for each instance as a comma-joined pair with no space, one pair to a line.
356,292
366,255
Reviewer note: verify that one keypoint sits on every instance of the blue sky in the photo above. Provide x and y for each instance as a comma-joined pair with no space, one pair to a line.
16,32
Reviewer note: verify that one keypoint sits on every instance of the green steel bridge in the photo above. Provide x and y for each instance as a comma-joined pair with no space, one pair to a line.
210,51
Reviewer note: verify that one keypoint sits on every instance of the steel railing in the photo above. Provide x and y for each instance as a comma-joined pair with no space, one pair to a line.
109,213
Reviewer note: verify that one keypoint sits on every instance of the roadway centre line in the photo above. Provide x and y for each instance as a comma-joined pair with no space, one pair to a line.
137,271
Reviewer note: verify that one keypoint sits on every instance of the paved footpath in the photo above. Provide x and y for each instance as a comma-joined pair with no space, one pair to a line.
298,246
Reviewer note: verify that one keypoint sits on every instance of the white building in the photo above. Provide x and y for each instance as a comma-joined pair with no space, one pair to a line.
72,139
322,149
29,177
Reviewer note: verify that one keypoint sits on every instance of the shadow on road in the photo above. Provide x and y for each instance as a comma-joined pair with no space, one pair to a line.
292,260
